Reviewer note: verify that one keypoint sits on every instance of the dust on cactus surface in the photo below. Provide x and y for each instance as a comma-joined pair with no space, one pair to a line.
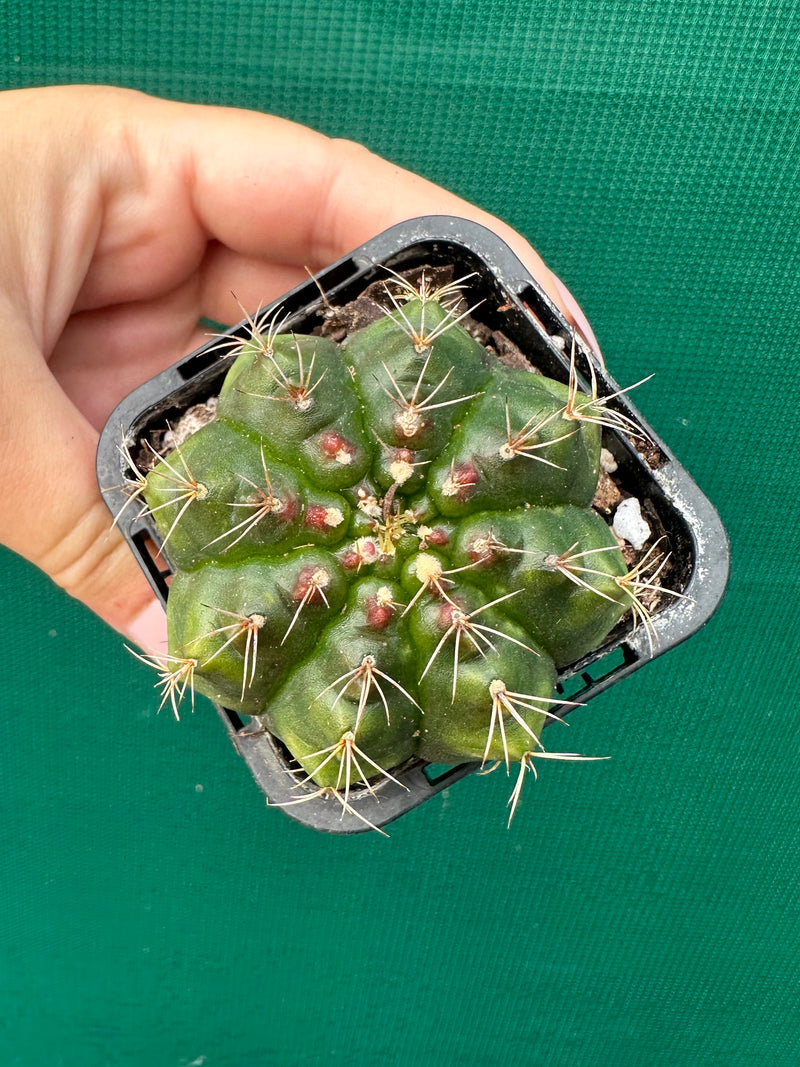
383,542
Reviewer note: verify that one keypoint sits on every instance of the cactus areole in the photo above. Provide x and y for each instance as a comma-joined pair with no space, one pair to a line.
383,543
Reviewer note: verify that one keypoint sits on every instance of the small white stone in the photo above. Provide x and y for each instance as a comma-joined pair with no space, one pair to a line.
629,524
607,461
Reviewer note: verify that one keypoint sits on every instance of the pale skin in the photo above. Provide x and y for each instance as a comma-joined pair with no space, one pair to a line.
125,219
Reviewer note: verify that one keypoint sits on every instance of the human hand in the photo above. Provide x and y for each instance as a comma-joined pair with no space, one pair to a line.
125,220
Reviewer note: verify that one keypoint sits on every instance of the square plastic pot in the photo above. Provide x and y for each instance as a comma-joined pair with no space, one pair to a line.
513,302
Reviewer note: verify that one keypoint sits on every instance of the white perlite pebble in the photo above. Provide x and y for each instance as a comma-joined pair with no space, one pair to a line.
607,461
629,524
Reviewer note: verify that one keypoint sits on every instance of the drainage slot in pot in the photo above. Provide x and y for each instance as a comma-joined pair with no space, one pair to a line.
206,357
590,678
152,561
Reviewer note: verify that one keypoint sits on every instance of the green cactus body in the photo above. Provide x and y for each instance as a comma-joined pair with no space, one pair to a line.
384,549
299,401
222,496
235,618
564,561
349,687
480,649
517,448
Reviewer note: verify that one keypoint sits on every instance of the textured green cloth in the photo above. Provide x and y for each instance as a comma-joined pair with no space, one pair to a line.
641,911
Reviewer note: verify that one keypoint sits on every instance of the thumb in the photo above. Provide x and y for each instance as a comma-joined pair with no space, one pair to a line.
52,512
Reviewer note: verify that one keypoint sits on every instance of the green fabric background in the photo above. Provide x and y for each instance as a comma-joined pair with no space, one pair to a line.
641,911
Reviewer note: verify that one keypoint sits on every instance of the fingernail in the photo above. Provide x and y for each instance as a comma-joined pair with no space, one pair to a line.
149,629
578,317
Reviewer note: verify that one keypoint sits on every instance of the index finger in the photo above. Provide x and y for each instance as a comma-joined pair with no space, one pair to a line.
301,198
266,188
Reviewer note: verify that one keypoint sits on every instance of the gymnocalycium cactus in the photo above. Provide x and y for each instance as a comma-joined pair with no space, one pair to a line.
384,549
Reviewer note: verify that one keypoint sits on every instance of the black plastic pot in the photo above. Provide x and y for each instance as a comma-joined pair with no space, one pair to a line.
514,303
